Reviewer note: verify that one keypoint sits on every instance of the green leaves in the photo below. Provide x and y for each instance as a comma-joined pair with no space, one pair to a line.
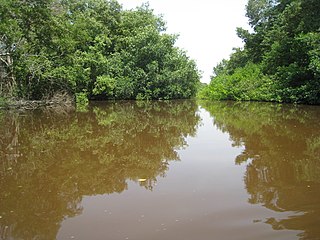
284,47
104,85
247,83
96,46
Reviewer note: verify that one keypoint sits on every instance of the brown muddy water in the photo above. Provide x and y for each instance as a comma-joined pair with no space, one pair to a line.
175,170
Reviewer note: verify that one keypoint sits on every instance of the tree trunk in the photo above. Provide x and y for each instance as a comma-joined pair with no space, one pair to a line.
7,79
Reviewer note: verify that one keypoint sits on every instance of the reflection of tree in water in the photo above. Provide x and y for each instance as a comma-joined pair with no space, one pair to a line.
282,150
49,161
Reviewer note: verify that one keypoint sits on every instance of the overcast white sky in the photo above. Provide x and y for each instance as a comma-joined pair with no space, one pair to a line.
206,27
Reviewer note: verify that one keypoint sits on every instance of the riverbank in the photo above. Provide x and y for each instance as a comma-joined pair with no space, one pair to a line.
59,100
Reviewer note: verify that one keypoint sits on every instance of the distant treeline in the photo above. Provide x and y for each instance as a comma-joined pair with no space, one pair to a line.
280,60
90,48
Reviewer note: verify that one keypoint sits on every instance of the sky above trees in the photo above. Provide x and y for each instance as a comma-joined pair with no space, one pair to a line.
206,28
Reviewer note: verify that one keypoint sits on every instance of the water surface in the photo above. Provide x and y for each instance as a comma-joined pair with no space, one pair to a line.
161,170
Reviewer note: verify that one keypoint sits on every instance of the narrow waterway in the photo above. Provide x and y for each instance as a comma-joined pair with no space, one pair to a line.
161,170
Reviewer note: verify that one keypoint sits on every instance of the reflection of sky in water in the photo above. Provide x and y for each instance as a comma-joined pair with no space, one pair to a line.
77,175
202,197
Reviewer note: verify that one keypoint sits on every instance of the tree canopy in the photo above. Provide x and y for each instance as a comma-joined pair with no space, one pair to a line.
93,47
280,60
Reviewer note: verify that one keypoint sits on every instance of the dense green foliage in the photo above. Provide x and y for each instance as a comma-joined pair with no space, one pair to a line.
92,47
3,102
50,160
281,149
280,60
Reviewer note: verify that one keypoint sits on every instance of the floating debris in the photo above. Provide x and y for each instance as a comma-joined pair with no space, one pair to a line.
142,180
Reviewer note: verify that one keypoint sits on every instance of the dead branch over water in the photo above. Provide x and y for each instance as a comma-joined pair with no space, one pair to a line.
61,100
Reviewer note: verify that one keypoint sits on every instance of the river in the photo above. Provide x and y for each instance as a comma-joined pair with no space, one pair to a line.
181,170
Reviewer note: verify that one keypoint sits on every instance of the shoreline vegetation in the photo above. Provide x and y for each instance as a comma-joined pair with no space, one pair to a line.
280,60
61,100
92,50
69,52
